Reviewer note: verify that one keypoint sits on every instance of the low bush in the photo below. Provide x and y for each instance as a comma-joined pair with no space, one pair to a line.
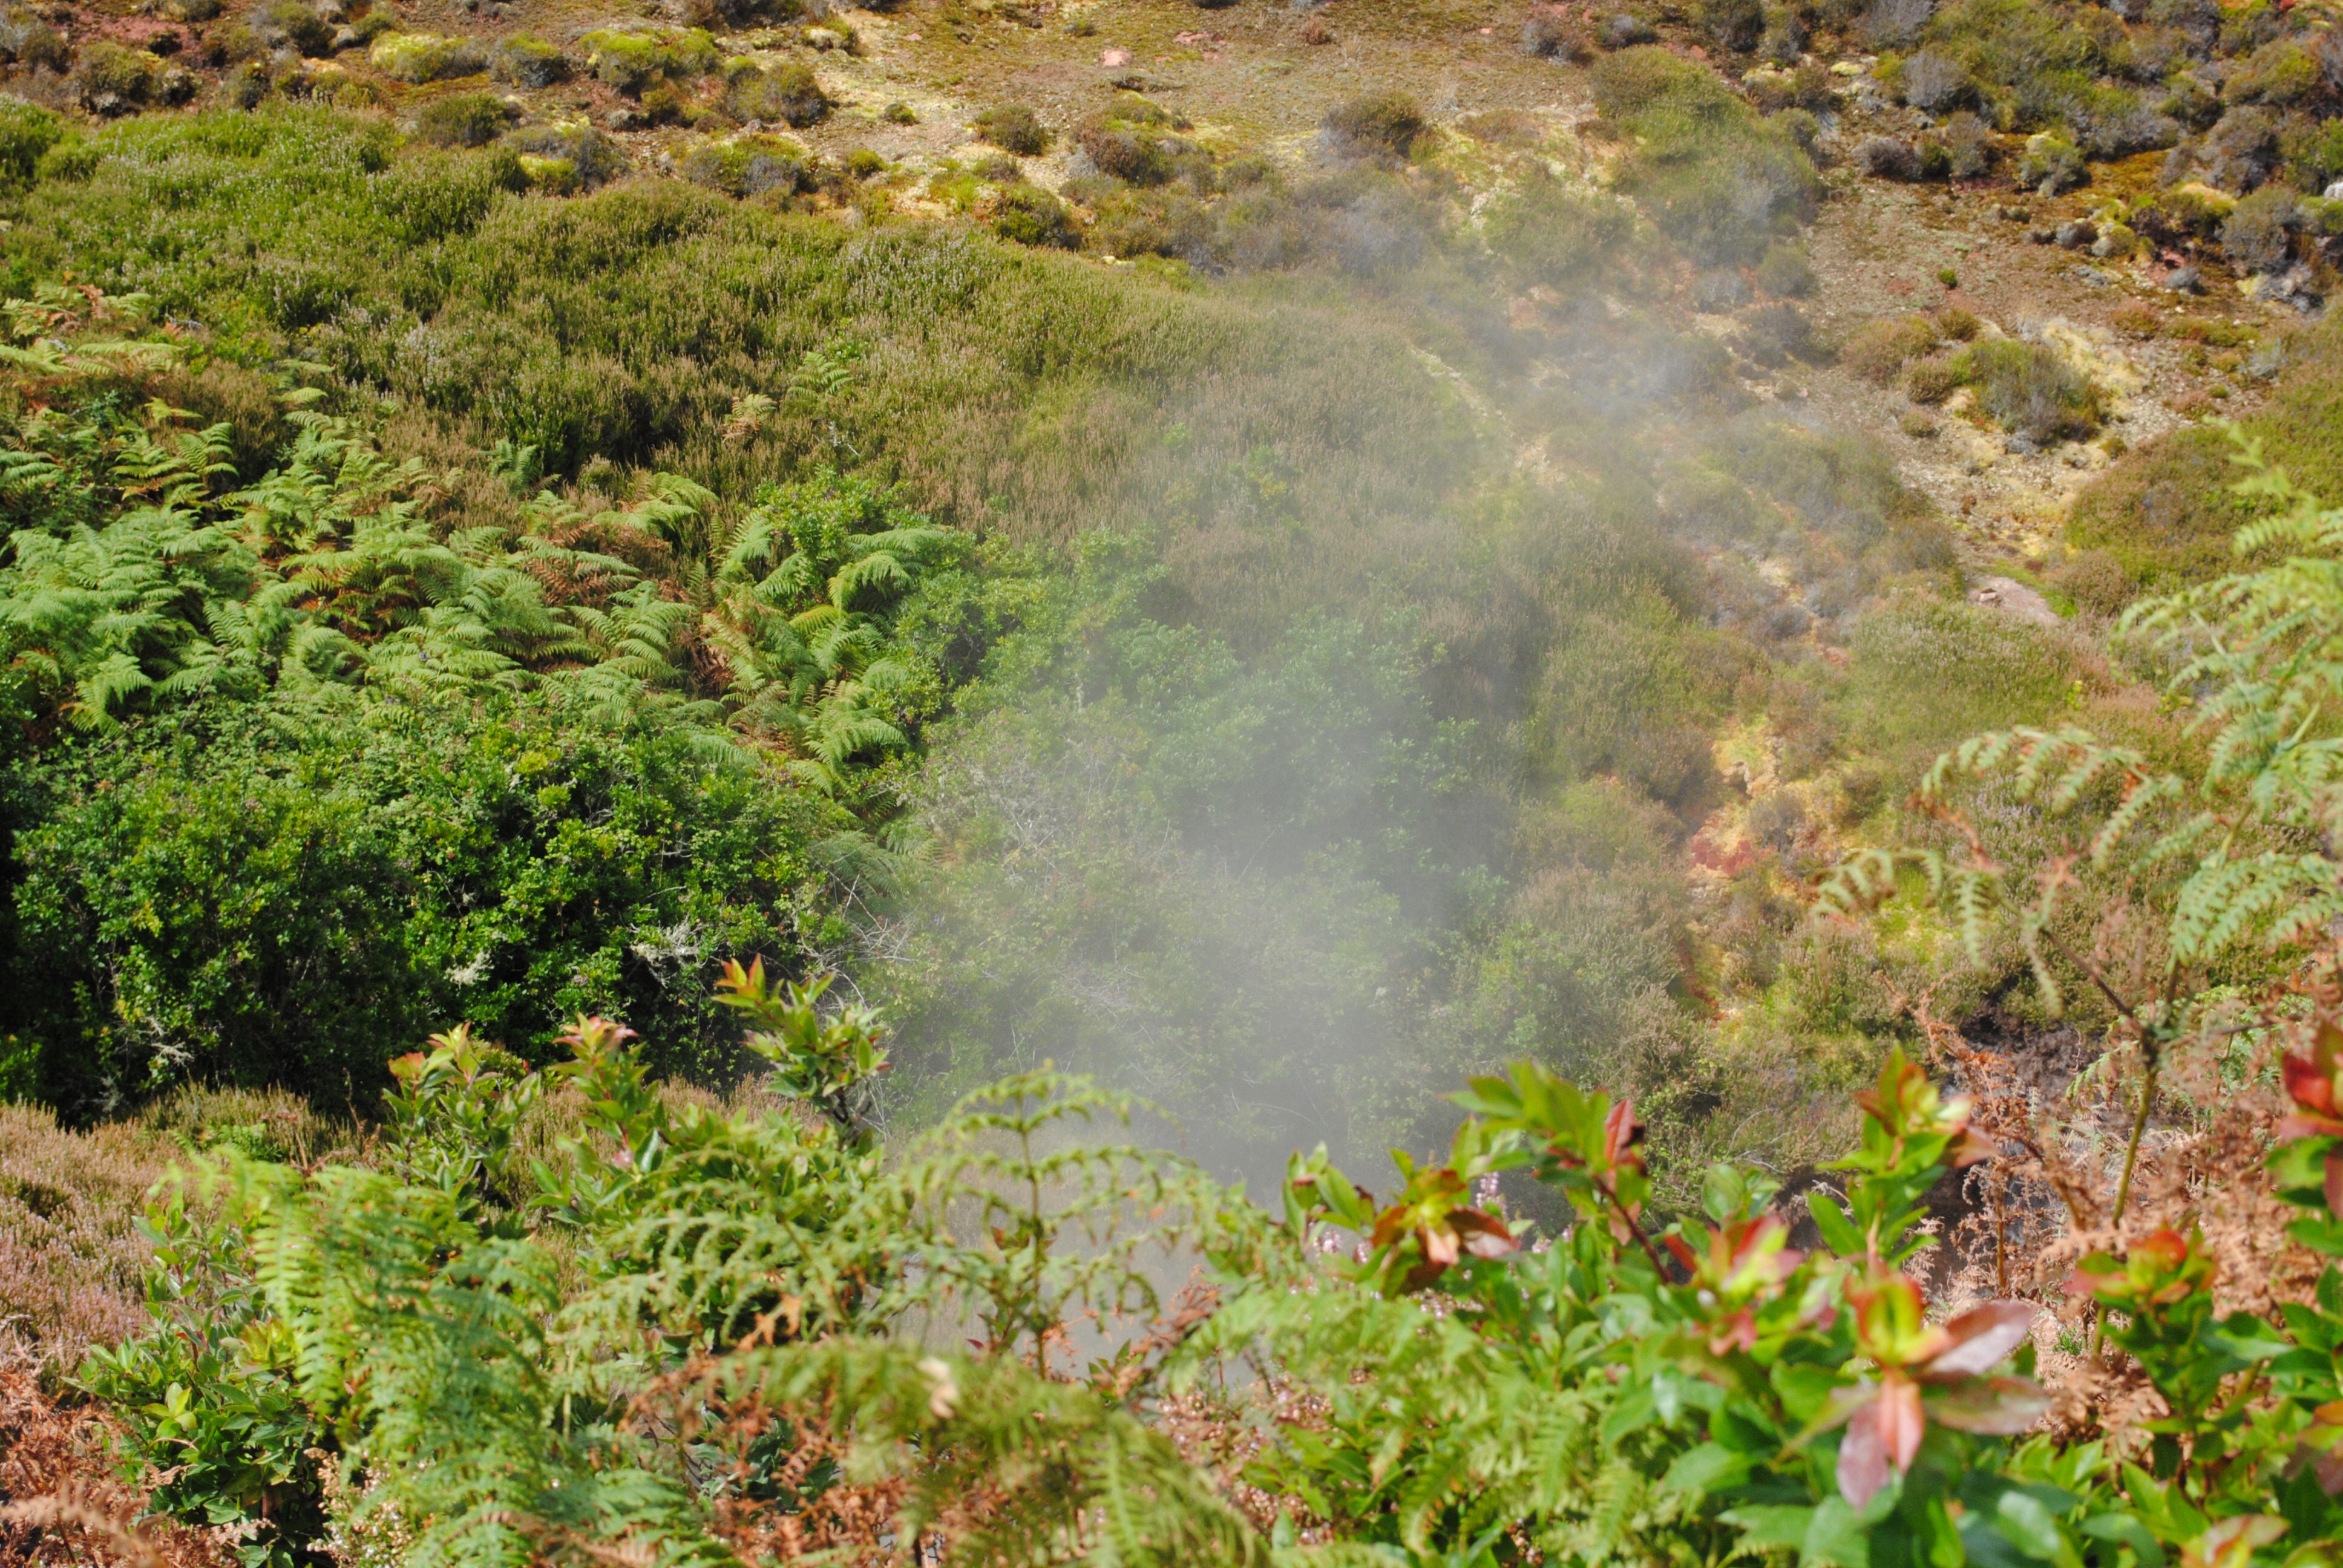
110,79
26,134
1385,121
787,94
419,57
2258,234
529,62
1013,128
1734,25
1888,158
1032,216
1551,33
1936,82
1787,271
1968,147
747,165
292,24
2032,391
2050,165
26,40
1931,381
464,119
1721,183
1158,221
633,61
590,157
1878,350
1132,140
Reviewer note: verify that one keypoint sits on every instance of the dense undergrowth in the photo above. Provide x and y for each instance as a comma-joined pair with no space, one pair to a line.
441,605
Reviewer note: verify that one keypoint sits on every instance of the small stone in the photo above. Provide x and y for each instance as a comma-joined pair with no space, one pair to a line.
2021,447
2077,234
2095,277
2186,280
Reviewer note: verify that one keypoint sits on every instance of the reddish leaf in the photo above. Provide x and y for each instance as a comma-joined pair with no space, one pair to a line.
1991,1406
2306,1085
1862,1458
1901,1420
1983,1338
1738,1333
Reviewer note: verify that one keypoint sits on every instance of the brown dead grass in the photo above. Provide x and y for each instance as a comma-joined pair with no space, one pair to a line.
66,1503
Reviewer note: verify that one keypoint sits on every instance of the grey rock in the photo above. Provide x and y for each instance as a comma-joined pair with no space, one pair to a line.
2186,280
2077,234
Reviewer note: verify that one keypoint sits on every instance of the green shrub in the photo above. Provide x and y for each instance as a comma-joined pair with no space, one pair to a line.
1013,128
1721,183
110,79
900,113
292,24
428,200
26,134
1129,141
2031,390
528,62
1385,121
27,41
1785,271
1734,25
1559,237
1925,673
748,165
1931,381
2051,164
589,158
1634,81
554,176
1032,216
633,61
463,120
425,56
281,895
1878,350
785,95
2258,234
2282,72
1152,222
